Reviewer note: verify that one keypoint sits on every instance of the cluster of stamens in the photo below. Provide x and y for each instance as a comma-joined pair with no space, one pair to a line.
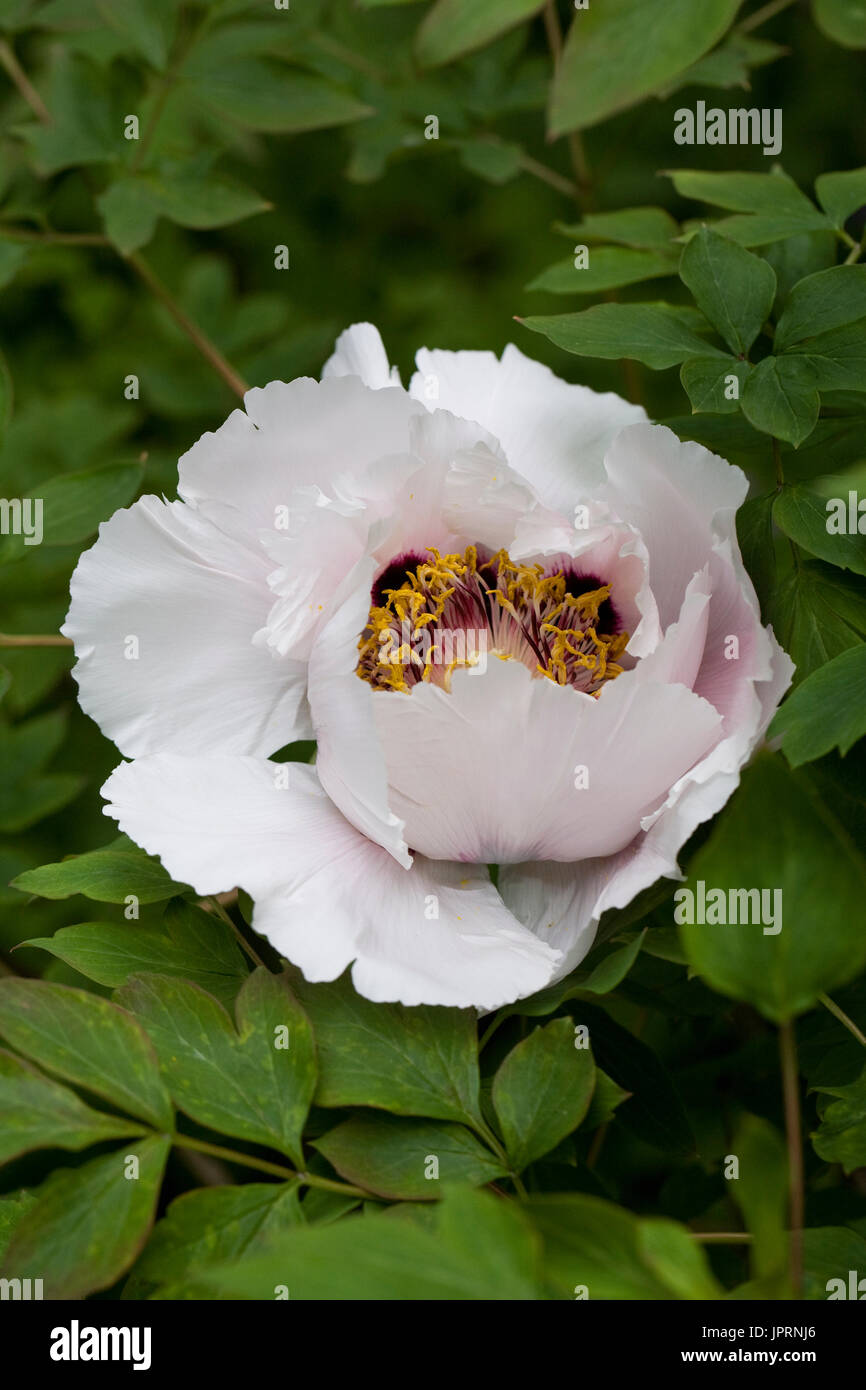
433,613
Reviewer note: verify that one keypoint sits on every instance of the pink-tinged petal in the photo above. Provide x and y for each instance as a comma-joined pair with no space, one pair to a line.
349,759
488,772
555,435
324,895
164,608
359,351
680,497
302,433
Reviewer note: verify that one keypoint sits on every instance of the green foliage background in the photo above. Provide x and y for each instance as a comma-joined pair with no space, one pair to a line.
305,127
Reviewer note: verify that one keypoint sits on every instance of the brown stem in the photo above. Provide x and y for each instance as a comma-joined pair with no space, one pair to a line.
25,87
579,162
55,238
44,640
761,16
207,349
722,1237
791,1094
843,1018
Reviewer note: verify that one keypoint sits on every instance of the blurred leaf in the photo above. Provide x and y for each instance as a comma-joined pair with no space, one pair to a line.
109,875
391,1156
732,287
12,1209
608,268
86,125
802,513
87,1040
659,335
673,1254
773,205
613,57
40,1114
761,1192
132,206
255,1083
410,1061
493,160
73,504
779,398
818,612
730,64
593,1244
479,1248
843,21
258,94
815,940
204,1227
149,24
831,1252
706,382
28,795
827,710
755,535
89,1223
189,942
841,194
454,27
542,1091
841,1135
13,254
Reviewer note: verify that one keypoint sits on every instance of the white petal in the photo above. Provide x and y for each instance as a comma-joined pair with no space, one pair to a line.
294,434
554,434
324,895
360,352
192,600
349,759
680,497
487,773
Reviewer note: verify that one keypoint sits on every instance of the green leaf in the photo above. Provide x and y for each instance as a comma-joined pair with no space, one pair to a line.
392,1156
826,711
830,1253
542,1091
86,125
190,943
613,57
841,1135
109,875
803,513
493,160
203,1227
89,1223
40,1114
817,613
71,506
13,254
12,1209
706,382
644,227
591,1244
612,970
609,267
257,94
843,21
732,287
761,1192
674,1255
755,535
410,1061
729,65
779,398
806,940
479,1247
454,27
87,1040
149,24
132,206
841,194
836,359
255,1083
772,205
26,794
828,299
659,335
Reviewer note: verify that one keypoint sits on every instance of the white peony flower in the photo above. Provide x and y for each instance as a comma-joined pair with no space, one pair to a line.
512,613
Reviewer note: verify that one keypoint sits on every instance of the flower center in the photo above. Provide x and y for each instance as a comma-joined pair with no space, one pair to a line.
432,613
